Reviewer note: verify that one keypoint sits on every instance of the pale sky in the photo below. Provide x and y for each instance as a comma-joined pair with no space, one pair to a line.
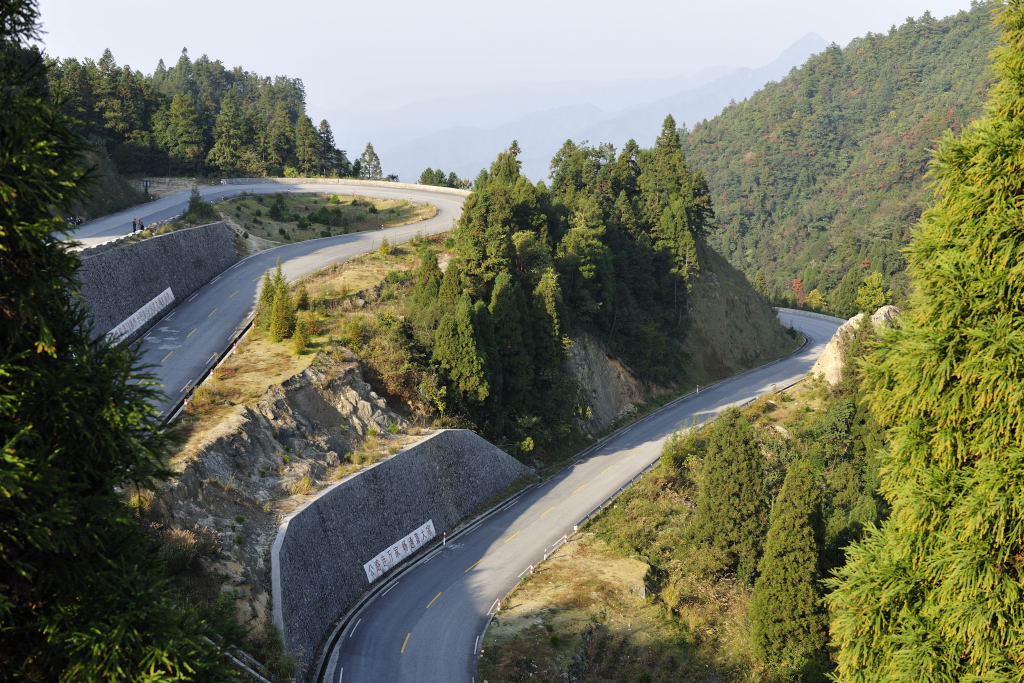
360,60
377,55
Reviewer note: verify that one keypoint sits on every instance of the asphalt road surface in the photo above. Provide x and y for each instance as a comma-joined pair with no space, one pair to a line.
183,345
426,626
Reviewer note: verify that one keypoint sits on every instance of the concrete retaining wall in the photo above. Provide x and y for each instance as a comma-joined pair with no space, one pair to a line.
116,282
318,554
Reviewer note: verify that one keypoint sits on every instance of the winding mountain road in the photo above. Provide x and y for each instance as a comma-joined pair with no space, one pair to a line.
183,345
426,626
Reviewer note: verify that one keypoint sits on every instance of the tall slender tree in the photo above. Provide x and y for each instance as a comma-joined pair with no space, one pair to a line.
732,505
936,593
786,611
369,164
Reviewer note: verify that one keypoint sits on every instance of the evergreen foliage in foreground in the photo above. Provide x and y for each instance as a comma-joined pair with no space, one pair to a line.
937,593
789,623
83,594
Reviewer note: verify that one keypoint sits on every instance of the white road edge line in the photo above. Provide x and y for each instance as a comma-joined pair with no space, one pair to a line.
341,672
388,589
476,645
353,631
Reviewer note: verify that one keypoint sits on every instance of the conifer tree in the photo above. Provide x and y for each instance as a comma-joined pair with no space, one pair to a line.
83,593
265,305
282,313
787,614
230,133
183,135
457,350
304,327
936,592
732,506
307,145
369,164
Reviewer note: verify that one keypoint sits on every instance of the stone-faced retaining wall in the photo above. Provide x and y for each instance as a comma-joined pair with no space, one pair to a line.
116,282
318,555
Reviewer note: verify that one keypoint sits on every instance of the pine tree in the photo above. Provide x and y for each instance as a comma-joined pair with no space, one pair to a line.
790,628
457,350
936,592
304,328
183,136
83,594
871,295
282,312
732,506
265,304
369,164
230,137
307,145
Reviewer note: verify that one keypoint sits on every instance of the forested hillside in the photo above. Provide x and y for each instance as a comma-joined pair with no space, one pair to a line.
819,177
196,117
614,248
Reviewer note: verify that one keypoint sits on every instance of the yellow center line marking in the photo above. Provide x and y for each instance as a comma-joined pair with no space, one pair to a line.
233,293
546,511
470,567
405,642
212,312
511,537
607,468
169,353
191,333
433,601
577,489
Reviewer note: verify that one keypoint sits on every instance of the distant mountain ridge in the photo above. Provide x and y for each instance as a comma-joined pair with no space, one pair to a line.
821,176
468,149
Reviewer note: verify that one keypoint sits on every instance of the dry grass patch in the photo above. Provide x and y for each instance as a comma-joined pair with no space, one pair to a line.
288,217
256,364
583,615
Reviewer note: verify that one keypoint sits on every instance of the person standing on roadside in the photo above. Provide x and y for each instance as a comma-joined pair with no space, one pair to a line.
135,224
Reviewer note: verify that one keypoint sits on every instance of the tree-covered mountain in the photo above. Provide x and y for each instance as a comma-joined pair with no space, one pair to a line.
819,177
196,117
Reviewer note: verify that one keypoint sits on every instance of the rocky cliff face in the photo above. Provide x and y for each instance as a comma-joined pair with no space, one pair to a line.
239,486
608,388
830,363
731,328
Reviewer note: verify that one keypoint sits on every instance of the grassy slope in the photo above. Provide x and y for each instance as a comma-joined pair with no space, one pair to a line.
351,213
581,616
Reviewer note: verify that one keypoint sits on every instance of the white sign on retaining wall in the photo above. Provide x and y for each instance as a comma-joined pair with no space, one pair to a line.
142,316
398,551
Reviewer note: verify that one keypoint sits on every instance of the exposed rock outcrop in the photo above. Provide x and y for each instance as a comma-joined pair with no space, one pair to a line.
832,360
239,485
608,388
730,328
